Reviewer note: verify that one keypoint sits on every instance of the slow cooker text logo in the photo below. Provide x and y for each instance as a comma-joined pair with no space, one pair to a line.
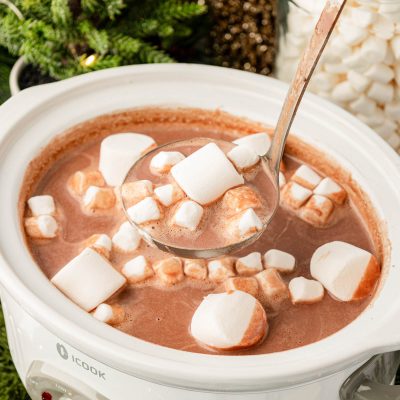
64,354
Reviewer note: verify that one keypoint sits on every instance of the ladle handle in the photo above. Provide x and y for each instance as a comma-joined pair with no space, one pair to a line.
305,69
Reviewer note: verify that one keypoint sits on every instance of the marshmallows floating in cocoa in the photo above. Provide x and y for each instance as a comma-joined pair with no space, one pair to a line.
42,205
258,142
162,162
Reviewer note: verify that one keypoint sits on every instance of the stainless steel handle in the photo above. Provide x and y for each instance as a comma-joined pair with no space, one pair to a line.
372,381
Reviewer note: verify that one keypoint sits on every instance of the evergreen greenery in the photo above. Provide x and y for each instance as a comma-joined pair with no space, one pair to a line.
6,62
70,37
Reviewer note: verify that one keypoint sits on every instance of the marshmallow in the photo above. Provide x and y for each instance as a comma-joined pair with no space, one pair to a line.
249,223
380,73
358,81
375,119
282,180
351,33
88,279
188,215
381,93
163,161
101,243
240,199
346,271
229,321
221,269
206,174
133,192
279,260
306,177
137,270
168,194
126,239
392,110
146,210
196,269
42,227
317,210
97,198
258,142
295,195
394,140
249,265
305,291
118,152
273,291
338,47
362,17
373,50
344,91
387,129
358,61
389,58
383,28
42,205
80,181
395,45
169,270
324,81
329,188
248,285
335,68
363,105
243,157
109,314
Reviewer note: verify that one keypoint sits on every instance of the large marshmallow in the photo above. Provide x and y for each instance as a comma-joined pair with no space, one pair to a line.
240,199
126,239
307,177
137,270
119,152
195,268
249,265
163,161
346,271
249,223
146,210
258,142
133,192
188,215
109,314
206,174
317,210
42,227
221,269
279,260
88,279
295,195
42,205
169,270
80,181
273,291
229,321
243,157
305,291
244,284
168,194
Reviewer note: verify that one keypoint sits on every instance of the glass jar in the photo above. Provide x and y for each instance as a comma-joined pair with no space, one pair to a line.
360,68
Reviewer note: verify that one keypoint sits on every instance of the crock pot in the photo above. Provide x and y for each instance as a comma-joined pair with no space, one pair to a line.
61,350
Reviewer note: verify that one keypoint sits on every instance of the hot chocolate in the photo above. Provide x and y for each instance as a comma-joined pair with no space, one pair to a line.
153,295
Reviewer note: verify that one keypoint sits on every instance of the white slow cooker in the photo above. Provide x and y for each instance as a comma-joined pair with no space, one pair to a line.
61,350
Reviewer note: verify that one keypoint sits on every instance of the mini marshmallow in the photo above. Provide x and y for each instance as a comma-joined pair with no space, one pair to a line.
295,195
249,265
329,188
118,152
137,270
373,50
188,215
363,105
163,161
305,291
101,243
249,223
362,17
240,199
195,268
387,129
41,227
168,194
248,285
373,120
97,198
80,181
358,61
221,269
282,180
307,177
395,45
346,271
273,291
42,205
88,279
243,157
381,93
133,192
206,174
380,73
344,91
335,68
258,142
146,210
279,260
317,210
358,81
351,33
392,110
324,81
126,239
383,28
228,321
394,140
169,270
109,314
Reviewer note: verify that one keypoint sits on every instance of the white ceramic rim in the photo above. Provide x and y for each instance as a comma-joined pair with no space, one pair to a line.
352,344
15,73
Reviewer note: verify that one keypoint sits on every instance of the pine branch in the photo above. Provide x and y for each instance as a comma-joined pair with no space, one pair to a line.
150,55
173,10
61,13
97,39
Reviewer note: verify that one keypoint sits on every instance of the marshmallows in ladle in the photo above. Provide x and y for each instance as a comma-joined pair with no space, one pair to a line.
188,215
258,142
162,162
346,271
146,210
228,321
